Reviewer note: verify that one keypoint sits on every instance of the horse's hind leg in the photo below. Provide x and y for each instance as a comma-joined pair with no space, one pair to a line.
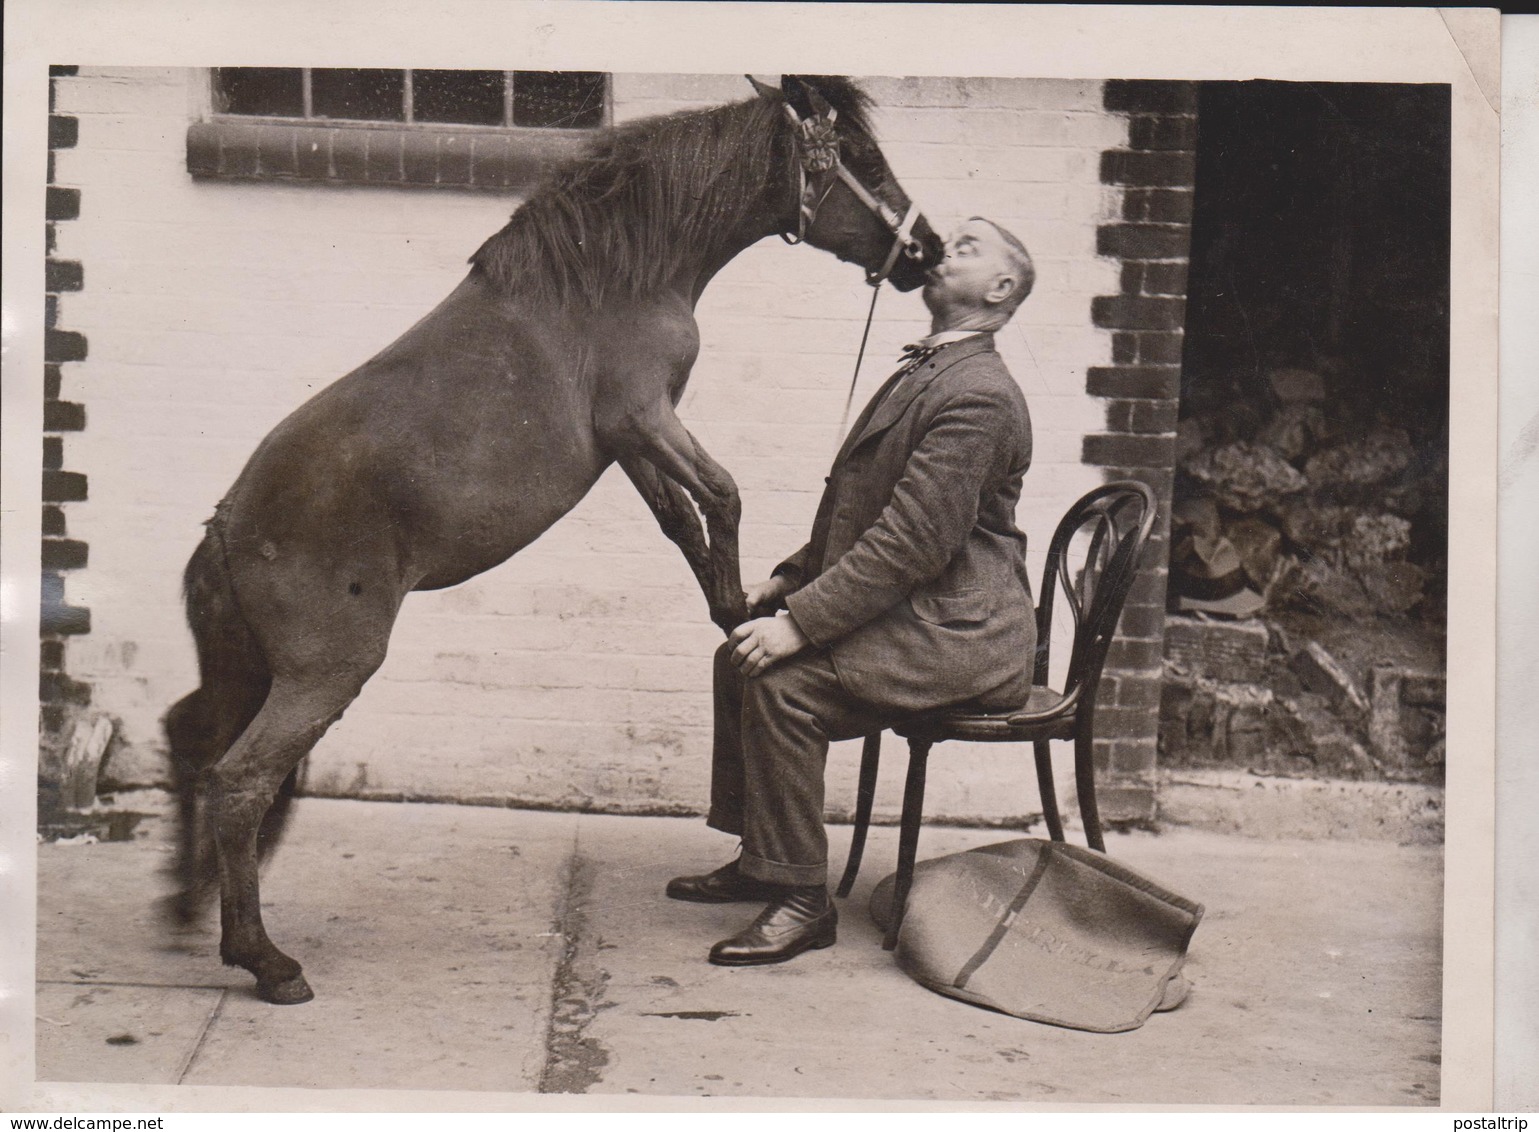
233,680
199,729
241,789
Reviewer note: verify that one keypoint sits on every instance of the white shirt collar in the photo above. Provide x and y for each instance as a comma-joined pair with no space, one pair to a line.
945,337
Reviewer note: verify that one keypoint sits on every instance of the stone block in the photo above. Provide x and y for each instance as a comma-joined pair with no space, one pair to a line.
64,554
63,416
1160,347
1141,382
1138,312
1126,803
1163,131
1144,241
1144,451
1321,673
64,346
1243,476
63,275
1165,278
63,204
1405,720
1148,168
1154,417
1233,651
1150,96
63,487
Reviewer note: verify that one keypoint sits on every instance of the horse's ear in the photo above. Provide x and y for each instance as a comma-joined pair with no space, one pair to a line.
804,97
764,90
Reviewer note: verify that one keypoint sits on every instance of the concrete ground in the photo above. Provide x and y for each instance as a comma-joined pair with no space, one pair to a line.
471,948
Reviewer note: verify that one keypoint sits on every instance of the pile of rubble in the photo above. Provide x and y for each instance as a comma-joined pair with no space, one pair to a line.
1307,580
1319,505
1261,695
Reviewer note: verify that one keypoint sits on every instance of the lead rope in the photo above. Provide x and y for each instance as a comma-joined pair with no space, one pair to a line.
849,399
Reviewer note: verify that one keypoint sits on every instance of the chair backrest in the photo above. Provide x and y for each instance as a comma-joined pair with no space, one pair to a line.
1114,522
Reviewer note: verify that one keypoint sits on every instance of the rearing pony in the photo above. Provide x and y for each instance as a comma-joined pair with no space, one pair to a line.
567,346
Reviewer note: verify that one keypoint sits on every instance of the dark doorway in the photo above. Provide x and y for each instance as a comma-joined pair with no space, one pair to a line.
1321,234
1309,541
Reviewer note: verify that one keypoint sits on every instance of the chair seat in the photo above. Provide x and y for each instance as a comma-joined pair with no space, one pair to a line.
964,722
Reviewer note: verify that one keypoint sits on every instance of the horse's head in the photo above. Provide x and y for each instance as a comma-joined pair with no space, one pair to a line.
844,197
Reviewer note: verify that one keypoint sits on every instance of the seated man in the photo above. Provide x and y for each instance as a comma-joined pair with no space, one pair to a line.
912,593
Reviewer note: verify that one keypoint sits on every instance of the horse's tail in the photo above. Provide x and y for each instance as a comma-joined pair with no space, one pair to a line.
234,679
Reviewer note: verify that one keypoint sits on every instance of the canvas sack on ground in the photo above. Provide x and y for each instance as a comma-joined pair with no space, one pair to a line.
1046,931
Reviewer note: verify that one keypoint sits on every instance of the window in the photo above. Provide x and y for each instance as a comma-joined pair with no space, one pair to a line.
539,99
466,129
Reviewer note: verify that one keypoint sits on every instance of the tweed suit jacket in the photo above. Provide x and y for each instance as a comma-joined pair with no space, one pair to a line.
914,578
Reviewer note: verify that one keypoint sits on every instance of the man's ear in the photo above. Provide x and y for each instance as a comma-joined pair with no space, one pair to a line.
1004,287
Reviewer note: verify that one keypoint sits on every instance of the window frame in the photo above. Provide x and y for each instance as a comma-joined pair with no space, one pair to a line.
350,151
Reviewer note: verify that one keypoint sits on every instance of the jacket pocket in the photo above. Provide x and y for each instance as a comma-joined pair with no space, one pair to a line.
960,607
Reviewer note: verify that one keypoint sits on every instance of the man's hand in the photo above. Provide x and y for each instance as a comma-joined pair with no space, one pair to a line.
767,596
765,642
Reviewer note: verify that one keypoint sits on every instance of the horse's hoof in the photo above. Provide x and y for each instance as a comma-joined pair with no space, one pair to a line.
290,992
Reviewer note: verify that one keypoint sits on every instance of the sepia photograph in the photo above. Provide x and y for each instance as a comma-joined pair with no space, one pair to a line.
595,568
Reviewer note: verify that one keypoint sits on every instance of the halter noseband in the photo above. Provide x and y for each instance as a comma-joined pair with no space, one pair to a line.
816,145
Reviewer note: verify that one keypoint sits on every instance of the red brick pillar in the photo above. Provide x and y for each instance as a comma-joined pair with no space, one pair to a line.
60,697
1142,386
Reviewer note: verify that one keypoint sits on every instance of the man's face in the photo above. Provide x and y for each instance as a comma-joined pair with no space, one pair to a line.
976,259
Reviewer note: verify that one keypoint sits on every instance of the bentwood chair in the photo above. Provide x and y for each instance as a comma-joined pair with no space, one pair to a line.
1112,525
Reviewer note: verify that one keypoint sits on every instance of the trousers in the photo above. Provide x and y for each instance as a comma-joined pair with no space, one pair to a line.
768,760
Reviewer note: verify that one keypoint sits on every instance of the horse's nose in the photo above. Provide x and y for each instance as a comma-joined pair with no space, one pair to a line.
925,250
932,249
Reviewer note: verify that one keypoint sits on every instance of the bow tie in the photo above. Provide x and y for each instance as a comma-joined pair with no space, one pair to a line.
914,354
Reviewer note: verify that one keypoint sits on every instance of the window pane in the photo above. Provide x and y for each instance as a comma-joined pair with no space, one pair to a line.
273,91
570,99
373,95
473,97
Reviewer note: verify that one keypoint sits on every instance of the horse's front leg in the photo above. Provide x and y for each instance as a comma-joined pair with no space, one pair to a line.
675,514
658,437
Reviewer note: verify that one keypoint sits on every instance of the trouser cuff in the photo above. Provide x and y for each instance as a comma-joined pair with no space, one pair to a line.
778,872
725,822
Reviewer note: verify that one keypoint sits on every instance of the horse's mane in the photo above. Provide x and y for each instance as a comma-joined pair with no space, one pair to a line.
622,218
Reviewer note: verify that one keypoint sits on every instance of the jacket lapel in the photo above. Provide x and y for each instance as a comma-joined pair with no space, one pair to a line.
892,406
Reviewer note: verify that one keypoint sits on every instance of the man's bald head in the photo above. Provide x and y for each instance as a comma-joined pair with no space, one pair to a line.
1020,262
986,275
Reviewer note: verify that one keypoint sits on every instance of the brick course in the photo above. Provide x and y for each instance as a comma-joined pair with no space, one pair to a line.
61,697
301,151
1155,171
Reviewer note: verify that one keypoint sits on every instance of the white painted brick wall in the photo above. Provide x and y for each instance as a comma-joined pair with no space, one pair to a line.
578,672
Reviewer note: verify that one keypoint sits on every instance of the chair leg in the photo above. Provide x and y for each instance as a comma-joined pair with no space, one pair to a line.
908,836
1047,791
865,795
1084,782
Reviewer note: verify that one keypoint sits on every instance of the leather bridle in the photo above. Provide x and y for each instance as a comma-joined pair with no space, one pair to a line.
816,144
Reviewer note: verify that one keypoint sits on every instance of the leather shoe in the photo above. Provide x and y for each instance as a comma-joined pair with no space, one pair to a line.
801,919
724,886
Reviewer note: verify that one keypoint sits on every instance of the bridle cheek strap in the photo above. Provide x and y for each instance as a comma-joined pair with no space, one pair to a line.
903,241
816,149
